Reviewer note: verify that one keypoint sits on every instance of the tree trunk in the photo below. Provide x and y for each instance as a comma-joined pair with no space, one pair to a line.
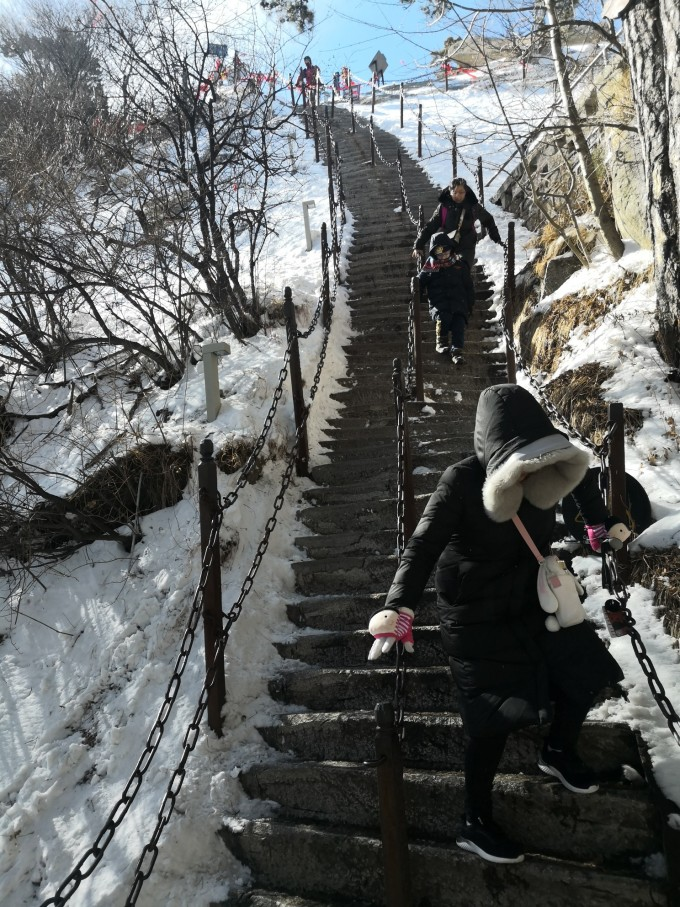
598,204
652,31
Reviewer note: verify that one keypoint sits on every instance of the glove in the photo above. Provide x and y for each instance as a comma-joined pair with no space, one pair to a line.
387,626
613,530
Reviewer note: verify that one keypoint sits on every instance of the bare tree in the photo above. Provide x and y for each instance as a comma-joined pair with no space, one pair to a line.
599,206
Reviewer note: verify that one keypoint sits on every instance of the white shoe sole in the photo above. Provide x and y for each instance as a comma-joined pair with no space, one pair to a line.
480,852
550,770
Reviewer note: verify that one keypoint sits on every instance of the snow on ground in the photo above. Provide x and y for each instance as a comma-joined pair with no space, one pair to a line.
92,647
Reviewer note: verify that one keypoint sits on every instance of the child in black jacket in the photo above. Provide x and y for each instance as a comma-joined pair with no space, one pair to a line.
450,291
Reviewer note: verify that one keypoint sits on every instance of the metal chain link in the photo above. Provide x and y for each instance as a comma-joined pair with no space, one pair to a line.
377,147
150,851
414,220
93,855
619,610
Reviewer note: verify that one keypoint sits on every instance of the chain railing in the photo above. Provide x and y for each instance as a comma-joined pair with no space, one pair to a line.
617,615
91,858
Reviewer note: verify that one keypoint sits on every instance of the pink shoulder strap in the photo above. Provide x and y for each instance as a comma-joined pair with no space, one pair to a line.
527,538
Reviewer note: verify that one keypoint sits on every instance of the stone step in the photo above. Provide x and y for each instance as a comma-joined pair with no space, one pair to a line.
258,897
275,850
422,432
334,574
424,483
346,649
340,451
376,515
436,740
379,472
352,541
351,612
430,689
609,828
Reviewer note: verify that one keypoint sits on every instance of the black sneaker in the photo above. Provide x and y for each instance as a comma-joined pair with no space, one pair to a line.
456,355
488,841
569,769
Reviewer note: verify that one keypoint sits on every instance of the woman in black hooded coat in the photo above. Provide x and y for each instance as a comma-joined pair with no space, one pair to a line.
508,667
456,213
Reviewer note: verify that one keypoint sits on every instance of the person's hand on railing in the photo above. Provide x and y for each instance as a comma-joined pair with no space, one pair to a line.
388,626
613,531
416,253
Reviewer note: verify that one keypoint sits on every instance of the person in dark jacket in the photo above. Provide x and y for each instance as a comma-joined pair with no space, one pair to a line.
446,279
511,671
456,214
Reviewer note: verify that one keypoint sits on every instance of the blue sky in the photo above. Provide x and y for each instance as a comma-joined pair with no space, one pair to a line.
350,35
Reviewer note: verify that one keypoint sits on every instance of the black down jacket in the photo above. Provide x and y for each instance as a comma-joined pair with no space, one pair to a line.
448,285
447,216
503,658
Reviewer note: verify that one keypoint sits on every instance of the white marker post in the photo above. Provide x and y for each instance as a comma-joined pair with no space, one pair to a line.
305,213
213,400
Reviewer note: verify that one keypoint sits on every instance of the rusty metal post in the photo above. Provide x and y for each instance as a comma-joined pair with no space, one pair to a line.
315,127
208,508
480,187
417,340
509,306
302,459
326,291
401,105
454,153
370,120
392,809
351,101
618,499
420,130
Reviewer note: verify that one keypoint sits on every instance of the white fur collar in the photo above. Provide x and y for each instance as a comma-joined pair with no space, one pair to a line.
542,472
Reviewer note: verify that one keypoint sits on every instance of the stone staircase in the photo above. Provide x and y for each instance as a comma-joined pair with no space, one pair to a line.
322,846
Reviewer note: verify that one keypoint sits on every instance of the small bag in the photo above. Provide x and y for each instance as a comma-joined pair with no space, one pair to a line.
558,589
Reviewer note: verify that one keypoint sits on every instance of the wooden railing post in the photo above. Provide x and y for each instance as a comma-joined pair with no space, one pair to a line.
618,499
480,186
401,105
446,75
392,808
454,153
302,459
292,92
420,130
208,506
509,306
351,101
315,127
373,99
372,142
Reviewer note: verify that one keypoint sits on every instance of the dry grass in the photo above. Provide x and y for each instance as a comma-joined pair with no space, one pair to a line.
660,571
234,455
578,396
544,335
111,493
552,243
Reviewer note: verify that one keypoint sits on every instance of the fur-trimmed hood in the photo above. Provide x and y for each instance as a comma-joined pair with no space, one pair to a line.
522,453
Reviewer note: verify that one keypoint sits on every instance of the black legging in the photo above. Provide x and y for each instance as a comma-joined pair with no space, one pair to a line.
483,754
